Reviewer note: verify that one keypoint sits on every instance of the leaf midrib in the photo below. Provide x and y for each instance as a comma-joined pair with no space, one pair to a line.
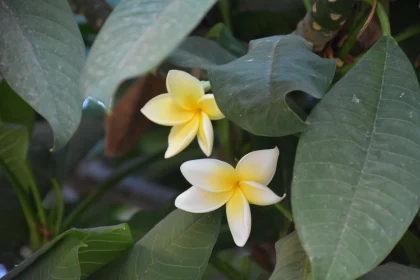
364,163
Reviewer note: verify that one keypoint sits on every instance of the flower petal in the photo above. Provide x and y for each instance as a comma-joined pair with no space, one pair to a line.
181,136
196,200
205,134
239,217
185,89
259,166
209,174
208,104
259,194
164,111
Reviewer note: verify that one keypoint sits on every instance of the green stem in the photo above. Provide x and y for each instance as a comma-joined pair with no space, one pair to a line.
35,240
308,4
223,127
383,18
225,268
36,195
113,179
59,206
206,86
352,36
408,33
286,212
224,6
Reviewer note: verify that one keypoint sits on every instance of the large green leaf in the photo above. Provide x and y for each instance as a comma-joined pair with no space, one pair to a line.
74,254
392,271
197,52
178,247
13,109
291,260
137,36
13,151
42,57
355,189
252,90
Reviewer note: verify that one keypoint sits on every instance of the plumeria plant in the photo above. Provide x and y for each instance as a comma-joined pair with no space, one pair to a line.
230,139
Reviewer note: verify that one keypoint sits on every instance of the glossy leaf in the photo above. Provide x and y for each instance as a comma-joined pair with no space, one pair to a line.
178,247
137,36
197,52
74,254
356,186
393,271
252,90
291,260
42,57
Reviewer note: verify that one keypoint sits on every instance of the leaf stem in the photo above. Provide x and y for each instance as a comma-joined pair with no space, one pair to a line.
286,212
116,177
59,203
408,33
383,18
352,36
36,196
308,4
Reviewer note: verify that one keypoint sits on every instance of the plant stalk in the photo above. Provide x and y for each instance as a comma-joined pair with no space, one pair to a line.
383,18
59,206
408,33
113,179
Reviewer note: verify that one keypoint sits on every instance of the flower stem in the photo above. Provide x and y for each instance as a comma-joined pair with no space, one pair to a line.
408,33
226,269
116,177
286,212
206,85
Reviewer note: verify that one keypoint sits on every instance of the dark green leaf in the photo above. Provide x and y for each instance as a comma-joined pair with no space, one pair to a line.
13,151
197,52
74,254
355,188
136,37
178,247
13,109
42,57
226,39
252,90
291,260
392,271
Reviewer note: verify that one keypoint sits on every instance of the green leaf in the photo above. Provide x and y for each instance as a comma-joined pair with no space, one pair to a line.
392,271
252,90
74,254
355,188
13,151
291,260
197,52
178,247
226,39
42,57
13,109
135,38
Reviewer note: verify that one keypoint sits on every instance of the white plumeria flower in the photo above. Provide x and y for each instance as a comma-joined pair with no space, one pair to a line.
187,109
215,183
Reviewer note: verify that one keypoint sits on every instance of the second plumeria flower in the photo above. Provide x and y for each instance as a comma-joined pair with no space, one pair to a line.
188,109
216,183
